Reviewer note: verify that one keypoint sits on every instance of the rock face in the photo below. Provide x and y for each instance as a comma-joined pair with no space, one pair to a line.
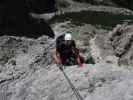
98,2
123,3
68,6
112,6
27,73
93,82
19,58
116,44
122,43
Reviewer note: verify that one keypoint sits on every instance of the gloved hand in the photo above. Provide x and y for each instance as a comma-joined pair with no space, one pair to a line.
58,61
81,65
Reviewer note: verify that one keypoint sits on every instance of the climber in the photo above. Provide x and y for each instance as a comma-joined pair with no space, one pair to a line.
66,52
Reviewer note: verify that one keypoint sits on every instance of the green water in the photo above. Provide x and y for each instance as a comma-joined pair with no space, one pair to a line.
102,19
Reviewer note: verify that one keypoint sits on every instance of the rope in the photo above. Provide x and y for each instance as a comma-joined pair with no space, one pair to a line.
75,91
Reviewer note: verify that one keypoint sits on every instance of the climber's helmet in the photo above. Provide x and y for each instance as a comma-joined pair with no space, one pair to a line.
67,37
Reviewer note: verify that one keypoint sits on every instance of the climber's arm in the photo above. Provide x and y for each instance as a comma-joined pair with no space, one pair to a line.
56,57
79,57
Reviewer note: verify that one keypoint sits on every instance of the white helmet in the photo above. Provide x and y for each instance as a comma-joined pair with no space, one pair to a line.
68,36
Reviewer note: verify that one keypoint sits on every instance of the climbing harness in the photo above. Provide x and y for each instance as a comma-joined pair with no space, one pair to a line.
75,91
